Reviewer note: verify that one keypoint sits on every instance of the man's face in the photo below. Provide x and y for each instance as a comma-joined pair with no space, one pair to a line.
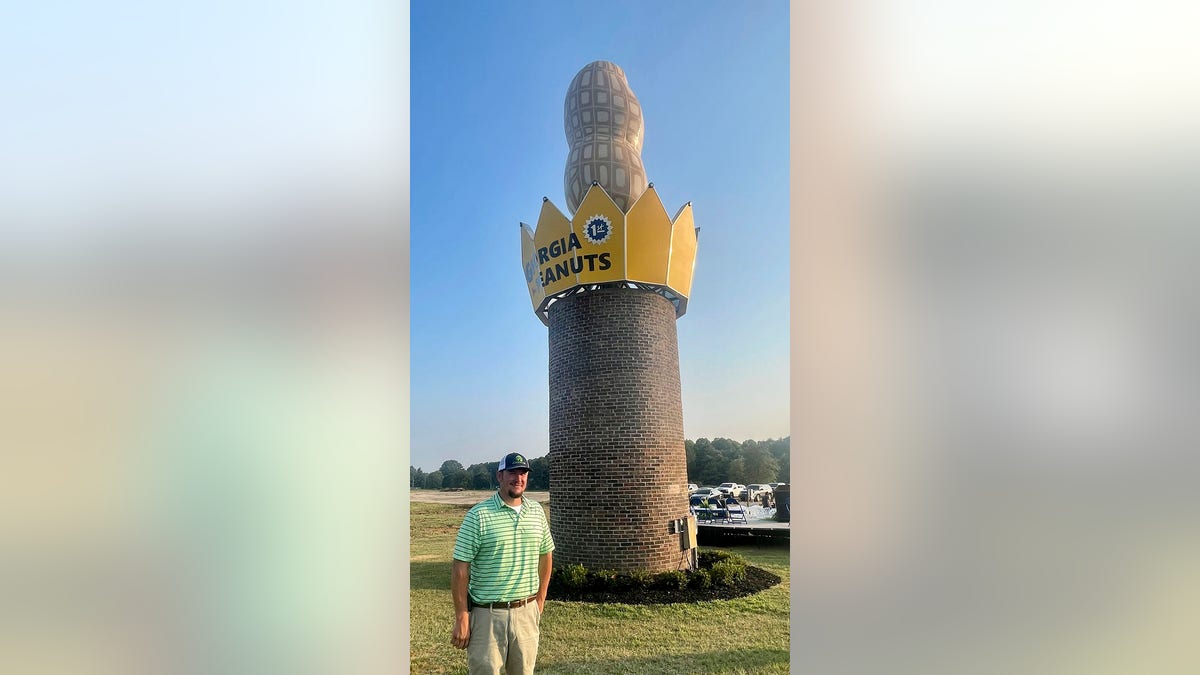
512,482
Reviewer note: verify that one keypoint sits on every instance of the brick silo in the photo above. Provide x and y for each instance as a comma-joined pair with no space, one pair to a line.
610,282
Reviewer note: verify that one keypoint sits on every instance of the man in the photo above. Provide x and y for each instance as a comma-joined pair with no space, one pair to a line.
500,575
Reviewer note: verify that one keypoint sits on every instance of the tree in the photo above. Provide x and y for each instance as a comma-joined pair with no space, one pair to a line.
730,450
416,477
454,475
434,481
710,463
780,449
759,466
481,478
722,459
736,471
539,474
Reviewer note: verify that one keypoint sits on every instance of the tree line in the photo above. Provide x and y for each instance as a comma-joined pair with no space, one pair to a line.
723,460
708,463
481,476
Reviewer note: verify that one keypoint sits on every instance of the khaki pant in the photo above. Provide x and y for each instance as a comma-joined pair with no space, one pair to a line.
504,640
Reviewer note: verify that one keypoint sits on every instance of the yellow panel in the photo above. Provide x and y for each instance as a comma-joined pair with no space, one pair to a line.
648,240
683,252
530,265
554,248
599,229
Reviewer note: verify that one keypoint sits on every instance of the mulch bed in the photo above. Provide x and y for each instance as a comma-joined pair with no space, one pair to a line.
756,580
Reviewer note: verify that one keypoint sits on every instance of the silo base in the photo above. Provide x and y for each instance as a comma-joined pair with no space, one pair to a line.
618,470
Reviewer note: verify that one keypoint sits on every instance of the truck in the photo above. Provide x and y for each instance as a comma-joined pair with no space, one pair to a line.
731,489
756,490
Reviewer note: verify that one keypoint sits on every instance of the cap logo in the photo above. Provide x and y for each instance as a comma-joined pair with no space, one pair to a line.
519,459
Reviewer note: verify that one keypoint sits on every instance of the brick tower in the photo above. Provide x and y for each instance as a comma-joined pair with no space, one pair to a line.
609,282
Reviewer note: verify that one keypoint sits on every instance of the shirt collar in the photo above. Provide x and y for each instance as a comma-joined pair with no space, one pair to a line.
501,504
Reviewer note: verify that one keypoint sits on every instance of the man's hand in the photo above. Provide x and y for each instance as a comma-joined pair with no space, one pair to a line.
461,635
545,567
460,576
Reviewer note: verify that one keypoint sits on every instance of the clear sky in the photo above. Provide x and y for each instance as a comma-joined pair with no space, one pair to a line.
115,107
488,83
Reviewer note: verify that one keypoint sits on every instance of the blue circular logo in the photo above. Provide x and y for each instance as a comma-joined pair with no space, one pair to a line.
598,229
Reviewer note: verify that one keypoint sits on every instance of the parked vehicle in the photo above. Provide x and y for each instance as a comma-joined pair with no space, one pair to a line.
707,493
730,489
756,490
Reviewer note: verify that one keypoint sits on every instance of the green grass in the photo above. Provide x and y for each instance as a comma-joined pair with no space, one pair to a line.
742,636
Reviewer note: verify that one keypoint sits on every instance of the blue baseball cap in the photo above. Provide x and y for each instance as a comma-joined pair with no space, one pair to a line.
513,460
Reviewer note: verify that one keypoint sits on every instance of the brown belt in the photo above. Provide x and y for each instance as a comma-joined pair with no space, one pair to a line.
513,604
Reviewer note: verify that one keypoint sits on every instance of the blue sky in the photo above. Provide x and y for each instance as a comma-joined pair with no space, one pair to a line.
488,82
115,107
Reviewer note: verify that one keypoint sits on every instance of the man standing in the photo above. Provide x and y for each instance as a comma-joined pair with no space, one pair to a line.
501,572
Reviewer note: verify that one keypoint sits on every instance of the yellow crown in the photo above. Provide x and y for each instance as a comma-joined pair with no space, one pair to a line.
604,246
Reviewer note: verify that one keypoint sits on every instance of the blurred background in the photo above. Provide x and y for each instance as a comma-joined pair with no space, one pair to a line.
994,372
204,338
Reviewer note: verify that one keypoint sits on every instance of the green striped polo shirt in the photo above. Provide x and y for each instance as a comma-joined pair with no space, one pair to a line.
503,548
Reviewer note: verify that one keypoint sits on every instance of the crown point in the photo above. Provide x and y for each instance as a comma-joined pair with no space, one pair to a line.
650,185
595,182
545,199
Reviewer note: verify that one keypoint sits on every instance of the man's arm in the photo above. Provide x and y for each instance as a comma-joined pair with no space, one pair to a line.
544,566
460,575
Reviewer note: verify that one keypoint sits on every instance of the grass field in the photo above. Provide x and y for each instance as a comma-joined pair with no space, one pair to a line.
747,635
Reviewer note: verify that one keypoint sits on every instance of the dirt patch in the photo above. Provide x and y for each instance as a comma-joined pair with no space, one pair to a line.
756,580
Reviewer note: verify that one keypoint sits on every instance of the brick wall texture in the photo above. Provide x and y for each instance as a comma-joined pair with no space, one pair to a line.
618,471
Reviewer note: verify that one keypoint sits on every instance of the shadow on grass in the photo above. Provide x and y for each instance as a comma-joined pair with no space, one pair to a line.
743,660
429,576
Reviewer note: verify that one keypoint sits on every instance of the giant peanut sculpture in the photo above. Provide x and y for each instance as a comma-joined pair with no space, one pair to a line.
603,121
609,281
